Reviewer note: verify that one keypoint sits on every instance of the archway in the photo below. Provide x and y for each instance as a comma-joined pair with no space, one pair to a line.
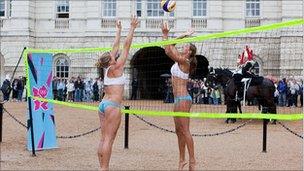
1,68
147,65
258,70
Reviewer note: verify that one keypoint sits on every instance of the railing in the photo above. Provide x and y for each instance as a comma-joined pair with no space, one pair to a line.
108,23
199,23
252,22
155,23
62,23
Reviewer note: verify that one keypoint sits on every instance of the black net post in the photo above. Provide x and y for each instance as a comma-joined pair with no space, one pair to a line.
265,122
126,144
30,124
1,120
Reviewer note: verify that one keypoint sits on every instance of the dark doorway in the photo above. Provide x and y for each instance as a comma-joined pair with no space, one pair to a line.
147,65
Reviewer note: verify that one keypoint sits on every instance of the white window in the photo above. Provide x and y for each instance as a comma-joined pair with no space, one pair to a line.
63,9
109,8
252,8
2,8
154,9
199,8
62,67
138,8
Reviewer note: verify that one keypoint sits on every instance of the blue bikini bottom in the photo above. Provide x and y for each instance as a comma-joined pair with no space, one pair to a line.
178,99
104,104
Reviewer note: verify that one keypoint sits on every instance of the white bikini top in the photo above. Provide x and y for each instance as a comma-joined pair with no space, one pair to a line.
177,72
113,81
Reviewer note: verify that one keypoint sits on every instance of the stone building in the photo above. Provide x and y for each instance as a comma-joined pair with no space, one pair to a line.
78,24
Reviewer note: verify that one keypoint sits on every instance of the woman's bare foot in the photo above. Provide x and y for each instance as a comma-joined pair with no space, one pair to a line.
181,165
192,165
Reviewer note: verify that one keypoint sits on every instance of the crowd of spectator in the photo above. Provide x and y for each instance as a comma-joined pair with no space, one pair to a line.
199,90
289,93
72,90
78,89
13,89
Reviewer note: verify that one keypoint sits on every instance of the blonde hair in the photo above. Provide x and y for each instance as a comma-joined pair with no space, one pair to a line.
103,60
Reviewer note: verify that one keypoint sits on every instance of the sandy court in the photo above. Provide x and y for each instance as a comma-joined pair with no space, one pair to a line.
151,148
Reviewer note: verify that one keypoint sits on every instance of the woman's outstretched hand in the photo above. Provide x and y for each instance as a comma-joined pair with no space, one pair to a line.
189,32
165,29
118,25
134,21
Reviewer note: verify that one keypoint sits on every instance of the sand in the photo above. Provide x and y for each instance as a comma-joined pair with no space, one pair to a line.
151,148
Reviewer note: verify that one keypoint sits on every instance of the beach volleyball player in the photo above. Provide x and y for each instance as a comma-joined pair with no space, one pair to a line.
114,80
185,64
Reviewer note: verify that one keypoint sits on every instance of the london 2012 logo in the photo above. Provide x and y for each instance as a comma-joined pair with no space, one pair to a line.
40,93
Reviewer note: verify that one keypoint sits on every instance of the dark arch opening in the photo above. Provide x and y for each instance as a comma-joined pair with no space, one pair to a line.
147,65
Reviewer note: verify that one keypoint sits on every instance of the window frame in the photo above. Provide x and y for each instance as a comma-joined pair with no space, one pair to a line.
202,10
141,8
103,2
145,11
6,8
254,9
158,10
67,10
60,69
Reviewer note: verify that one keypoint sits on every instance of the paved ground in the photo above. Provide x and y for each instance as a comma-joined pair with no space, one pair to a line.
153,149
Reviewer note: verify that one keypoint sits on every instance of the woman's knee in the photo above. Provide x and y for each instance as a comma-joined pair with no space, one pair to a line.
109,140
182,129
178,130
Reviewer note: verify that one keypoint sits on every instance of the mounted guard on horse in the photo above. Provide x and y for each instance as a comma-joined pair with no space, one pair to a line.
244,75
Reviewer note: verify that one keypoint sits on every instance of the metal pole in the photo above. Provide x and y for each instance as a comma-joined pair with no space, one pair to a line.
265,122
30,125
1,120
15,69
126,146
264,135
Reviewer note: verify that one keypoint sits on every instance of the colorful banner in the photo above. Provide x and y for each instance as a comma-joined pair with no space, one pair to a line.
40,82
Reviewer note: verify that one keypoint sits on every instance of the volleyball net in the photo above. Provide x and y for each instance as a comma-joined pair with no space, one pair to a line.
148,90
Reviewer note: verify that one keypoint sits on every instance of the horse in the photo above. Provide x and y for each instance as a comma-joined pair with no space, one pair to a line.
263,92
